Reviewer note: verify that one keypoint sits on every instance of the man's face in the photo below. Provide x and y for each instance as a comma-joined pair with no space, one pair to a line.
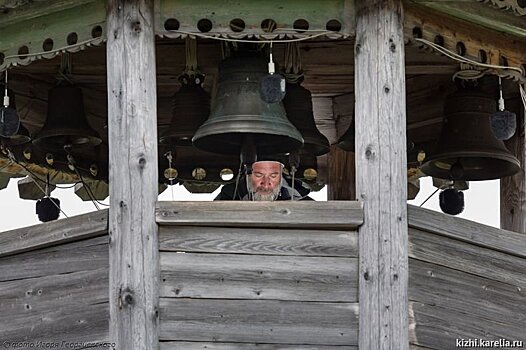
265,181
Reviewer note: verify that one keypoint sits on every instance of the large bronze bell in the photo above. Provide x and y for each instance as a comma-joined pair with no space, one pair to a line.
467,149
191,108
298,105
238,112
66,122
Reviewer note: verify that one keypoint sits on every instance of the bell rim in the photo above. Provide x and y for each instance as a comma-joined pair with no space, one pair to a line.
514,165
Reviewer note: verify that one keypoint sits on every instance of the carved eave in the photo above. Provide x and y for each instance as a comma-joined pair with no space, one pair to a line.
333,19
513,6
480,42
44,29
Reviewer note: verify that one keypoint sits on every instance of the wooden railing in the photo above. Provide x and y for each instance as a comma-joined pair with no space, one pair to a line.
466,281
54,283
238,274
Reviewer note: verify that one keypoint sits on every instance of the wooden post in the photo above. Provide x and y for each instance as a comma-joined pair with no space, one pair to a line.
513,188
381,174
132,115
341,180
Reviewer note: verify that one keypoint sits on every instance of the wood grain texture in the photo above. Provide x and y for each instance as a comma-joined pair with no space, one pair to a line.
381,178
64,307
477,297
261,321
438,327
132,127
342,175
235,276
466,257
91,254
182,345
258,241
73,323
292,214
468,231
53,233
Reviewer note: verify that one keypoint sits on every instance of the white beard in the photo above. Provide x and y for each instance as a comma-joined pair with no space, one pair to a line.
269,196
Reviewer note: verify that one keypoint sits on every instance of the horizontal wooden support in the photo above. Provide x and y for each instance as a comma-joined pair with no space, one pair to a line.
261,321
438,327
183,345
258,241
239,276
68,323
47,293
466,257
477,297
296,214
55,232
468,231
86,255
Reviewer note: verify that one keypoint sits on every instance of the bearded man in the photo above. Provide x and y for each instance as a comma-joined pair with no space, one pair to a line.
265,183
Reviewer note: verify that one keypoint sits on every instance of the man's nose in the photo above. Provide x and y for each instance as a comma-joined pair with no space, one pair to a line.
264,180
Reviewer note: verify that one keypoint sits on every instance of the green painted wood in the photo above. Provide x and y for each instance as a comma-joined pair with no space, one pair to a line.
220,13
481,14
32,30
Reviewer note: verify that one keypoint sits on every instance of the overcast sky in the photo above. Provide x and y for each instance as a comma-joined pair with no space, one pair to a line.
482,202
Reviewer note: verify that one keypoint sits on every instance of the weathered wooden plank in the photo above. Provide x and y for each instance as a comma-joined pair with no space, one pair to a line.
132,121
258,241
438,328
381,173
235,276
261,321
44,294
468,231
297,214
54,232
75,323
466,257
86,255
182,345
464,292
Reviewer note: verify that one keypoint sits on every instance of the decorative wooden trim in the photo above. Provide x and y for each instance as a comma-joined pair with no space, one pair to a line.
467,231
381,174
53,233
507,5
430,24
132,119
188,16
292,214
69,27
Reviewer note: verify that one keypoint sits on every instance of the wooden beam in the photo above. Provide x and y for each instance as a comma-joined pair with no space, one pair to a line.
132,114
513,188
381,178
53,233
330,215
